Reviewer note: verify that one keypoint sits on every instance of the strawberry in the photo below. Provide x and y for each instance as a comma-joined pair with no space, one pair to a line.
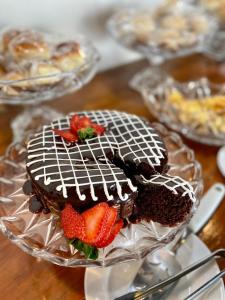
81,128
67,135
77,123
74,123
99,129
113,233
84,122
96,227
93,219
107,224
72,223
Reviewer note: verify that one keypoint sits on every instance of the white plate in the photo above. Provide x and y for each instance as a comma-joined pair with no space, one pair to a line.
98,281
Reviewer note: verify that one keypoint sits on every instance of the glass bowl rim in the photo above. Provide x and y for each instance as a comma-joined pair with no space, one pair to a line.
148,50
138,83
92,57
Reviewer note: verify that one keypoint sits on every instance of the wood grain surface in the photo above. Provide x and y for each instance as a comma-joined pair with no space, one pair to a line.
23,277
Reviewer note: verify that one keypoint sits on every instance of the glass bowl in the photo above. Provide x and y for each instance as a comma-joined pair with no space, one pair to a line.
191,117
40,234
164,32
215,47
25,80
216,7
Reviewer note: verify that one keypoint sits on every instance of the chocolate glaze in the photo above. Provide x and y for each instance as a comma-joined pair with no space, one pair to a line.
125,167
98,169
27,187
35,205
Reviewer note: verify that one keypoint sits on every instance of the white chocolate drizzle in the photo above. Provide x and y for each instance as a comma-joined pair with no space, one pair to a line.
126,134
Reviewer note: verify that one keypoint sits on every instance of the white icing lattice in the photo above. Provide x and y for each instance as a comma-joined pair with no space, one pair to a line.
54,160
172,183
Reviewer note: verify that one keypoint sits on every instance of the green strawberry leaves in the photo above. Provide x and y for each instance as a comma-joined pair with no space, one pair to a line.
86,133
89,252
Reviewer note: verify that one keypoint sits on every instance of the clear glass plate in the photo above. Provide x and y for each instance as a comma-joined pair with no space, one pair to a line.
35,89
215,47
40,234
128,27
155,86
214,6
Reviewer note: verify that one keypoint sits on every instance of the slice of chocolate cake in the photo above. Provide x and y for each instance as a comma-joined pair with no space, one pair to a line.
163,198
97,169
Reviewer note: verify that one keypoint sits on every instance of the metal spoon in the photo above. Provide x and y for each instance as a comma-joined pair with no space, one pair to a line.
155,269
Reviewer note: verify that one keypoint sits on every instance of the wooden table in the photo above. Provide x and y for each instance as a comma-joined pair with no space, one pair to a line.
23,277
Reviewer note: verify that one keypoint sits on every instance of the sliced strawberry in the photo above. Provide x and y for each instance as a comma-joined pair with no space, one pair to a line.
107,224
72,223
93,219
67,135
85,122
74,123
114,231
77,122
99,129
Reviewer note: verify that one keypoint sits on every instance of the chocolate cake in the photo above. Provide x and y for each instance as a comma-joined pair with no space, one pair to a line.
104,168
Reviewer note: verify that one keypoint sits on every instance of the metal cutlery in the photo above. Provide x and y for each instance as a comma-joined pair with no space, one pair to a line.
208,204
138,295
206,286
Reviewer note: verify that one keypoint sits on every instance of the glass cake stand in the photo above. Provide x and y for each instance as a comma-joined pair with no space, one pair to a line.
31,92
128,28
41,236
155,85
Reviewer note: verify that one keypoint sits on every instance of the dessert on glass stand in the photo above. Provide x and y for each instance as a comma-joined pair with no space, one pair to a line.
40,66
97,188
164,32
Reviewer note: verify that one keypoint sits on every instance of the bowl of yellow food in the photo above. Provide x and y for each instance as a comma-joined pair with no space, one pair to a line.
194,108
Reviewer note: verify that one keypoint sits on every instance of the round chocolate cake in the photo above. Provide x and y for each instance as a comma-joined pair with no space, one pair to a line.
105,167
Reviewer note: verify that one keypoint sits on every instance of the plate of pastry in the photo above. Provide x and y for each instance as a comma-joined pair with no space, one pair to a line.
76,191
194,108
39,66
163,32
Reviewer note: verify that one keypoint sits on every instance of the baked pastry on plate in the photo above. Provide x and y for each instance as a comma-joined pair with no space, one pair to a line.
38,61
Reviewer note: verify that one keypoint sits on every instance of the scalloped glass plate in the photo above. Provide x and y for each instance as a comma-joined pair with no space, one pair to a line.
35,89
160,33
40,234
156,85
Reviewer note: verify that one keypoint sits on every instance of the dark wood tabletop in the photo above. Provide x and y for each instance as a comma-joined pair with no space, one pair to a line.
23,277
